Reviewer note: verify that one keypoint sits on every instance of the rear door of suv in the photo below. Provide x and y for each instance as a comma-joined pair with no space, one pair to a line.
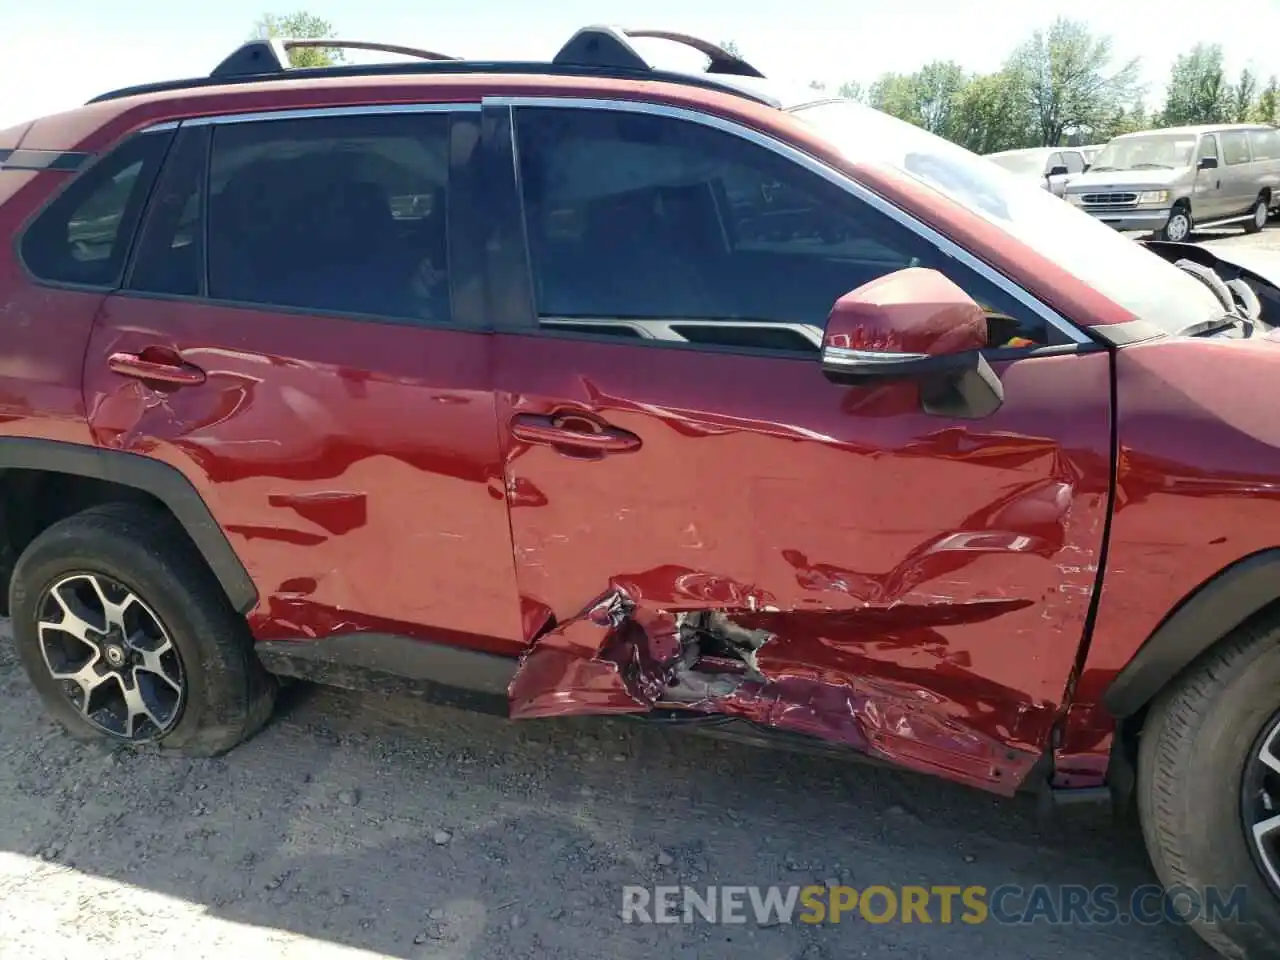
298,333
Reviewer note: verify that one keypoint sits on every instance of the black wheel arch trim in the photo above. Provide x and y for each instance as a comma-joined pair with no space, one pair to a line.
161,480
1214,609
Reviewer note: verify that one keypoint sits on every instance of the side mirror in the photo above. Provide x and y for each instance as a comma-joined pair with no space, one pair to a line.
1207,163
1058,171
914,325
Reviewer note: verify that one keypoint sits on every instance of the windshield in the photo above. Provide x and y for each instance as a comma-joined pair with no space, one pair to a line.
1026,164
1117,267
1151,151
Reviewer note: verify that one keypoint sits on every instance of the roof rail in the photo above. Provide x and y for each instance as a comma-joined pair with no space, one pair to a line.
595,51
272,56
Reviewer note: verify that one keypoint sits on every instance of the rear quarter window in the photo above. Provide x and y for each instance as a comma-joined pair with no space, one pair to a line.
1266,144
83,236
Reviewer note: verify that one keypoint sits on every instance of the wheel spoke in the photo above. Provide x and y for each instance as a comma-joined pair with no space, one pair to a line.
112,611
73,622
1266,827
1267,755
87,678
136,707
153,663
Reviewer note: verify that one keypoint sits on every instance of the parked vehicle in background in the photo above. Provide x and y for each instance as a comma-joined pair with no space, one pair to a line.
1171,181
1051,167
599,389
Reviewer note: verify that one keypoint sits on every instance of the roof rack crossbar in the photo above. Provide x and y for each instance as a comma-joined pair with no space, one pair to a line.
259,57
722,61
603,46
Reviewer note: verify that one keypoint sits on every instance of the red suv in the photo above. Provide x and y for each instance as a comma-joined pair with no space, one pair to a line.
610,390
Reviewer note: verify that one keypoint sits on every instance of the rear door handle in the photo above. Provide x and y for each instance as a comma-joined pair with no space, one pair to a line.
176,372
572,430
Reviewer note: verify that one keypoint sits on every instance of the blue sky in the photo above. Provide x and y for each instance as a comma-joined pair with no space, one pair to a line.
55,54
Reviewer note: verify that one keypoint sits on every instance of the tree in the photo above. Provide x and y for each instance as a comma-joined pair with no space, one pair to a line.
1198,90
938,87
992,114
897,94
1070,86
1243,94
1266,109
852,90
300,26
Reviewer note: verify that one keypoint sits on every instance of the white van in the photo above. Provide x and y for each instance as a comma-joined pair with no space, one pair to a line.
1170,181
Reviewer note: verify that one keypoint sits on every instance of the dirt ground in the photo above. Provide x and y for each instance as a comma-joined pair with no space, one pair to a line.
362,826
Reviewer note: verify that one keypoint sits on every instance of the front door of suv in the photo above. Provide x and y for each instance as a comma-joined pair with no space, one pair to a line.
298,334
668,430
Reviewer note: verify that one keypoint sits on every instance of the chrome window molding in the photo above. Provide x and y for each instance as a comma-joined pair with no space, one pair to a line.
831,175
666,327
845,357
315,113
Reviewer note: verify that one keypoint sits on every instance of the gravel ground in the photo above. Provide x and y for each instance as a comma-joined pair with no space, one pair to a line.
369,826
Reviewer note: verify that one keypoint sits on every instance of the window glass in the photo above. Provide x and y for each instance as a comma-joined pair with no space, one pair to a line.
343,214
83,236
1073,161
169,256
1266,144
1235,147
664,224
1208,146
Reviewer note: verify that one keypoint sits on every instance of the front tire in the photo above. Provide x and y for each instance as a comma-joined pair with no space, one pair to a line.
1202,794
1178,227
1258,218
127,636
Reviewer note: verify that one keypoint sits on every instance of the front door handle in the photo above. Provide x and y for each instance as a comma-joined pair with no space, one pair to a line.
572,430
164,371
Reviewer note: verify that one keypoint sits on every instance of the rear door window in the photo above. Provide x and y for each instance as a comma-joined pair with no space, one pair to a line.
83,236
1266,144
343,214
1235,147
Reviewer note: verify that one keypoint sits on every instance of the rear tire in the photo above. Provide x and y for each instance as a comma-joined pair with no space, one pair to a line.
1258,217
1196,753
128,637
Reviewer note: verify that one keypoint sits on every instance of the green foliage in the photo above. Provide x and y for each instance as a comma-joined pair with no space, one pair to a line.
1070,86
300,26
1266,109
1198,89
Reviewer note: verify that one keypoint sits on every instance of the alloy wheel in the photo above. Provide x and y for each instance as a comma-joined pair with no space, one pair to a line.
1260,214
1260,803
1179,227
112,657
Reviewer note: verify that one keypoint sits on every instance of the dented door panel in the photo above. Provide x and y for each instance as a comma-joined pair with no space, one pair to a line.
319,443
823,560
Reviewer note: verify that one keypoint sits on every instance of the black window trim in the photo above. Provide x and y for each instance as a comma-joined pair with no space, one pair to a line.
501,109
467,319
89,164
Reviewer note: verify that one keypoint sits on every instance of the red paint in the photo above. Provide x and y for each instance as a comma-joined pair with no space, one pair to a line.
823,503
324,450
909,311
925,582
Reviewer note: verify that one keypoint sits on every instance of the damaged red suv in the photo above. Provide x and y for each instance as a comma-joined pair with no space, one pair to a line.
607,390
